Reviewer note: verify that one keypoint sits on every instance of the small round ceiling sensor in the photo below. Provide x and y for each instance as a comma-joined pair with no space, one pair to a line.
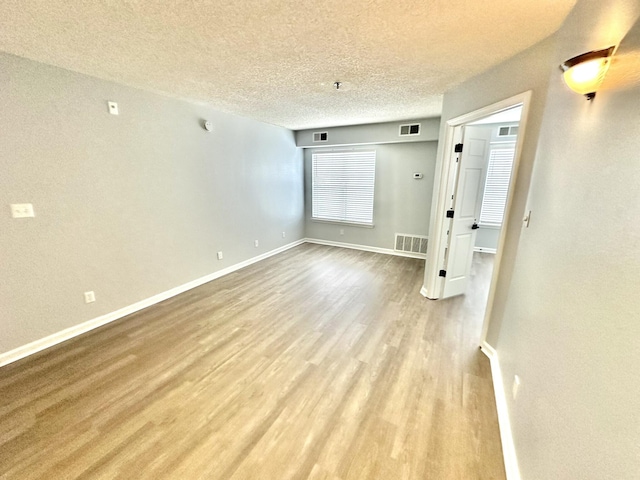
208,126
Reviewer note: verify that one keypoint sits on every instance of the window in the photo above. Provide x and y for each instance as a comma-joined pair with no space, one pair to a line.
342,186
496,186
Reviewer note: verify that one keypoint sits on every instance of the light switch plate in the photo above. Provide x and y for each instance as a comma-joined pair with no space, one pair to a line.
22,210
219,255
89,297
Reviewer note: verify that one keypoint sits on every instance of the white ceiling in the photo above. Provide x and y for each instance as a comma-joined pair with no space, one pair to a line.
276,60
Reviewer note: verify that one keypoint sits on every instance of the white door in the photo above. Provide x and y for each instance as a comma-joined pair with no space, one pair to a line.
466,207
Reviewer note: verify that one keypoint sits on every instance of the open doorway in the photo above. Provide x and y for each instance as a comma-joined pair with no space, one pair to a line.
471,142
499,134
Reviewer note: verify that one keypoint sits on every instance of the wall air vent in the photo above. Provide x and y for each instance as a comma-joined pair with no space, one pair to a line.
409,129
416,245
320,136
508,131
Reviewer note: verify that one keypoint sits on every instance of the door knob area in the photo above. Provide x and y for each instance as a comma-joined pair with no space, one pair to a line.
474,226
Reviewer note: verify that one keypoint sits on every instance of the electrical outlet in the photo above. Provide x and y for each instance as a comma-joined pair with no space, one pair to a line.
516,386
89,297
284,234
113,108
219,255
22,210
256,243
342,231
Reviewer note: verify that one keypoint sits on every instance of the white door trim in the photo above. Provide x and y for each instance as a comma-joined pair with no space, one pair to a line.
433,283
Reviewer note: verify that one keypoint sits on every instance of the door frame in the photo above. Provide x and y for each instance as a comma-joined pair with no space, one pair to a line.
443,189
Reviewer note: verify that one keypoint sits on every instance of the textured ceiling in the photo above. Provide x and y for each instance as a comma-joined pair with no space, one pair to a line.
276,60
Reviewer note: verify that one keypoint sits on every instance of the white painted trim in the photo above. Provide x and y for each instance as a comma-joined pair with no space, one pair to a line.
485,250
423,291
506,434
439,200
488,350
366,248
68,333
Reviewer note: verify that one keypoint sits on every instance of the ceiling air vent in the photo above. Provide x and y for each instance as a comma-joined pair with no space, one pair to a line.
409,129
320,136
508,131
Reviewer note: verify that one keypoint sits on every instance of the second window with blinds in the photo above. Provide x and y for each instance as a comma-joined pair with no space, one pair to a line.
342,187
496,188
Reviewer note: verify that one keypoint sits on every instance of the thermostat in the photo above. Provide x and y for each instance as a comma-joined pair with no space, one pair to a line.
417,175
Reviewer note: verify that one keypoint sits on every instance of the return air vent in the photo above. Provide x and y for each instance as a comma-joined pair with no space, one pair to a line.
415,244
409,129
320,136
508,131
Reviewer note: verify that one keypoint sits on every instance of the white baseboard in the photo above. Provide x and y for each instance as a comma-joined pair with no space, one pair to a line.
366,248
485,250
506,435
68,333
423,291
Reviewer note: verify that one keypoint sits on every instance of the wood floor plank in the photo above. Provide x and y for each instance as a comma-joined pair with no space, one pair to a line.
316,364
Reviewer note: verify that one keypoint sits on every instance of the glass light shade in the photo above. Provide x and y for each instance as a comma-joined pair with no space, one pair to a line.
584,74
587,77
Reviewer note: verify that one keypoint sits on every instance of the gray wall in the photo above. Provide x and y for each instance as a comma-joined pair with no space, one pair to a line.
401,203
487,238
370,133
569,325
131,205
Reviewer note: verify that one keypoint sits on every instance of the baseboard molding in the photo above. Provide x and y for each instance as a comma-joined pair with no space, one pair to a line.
485,250
423,291
506,435
68,333
366,248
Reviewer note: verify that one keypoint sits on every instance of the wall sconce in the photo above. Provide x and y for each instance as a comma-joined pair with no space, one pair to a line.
584,74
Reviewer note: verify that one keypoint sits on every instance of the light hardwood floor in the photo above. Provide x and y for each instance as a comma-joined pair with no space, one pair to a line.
319,363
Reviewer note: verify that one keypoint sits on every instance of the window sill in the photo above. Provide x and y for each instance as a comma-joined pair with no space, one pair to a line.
338,222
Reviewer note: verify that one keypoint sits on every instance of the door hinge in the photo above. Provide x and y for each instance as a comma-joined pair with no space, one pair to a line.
458,148
450,213
443,273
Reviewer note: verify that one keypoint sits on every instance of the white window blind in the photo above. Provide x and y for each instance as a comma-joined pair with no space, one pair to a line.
496,187
343,185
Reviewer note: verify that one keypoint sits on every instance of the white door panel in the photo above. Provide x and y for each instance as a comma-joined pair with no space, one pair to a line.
466,206
477,146
472,185
458,263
